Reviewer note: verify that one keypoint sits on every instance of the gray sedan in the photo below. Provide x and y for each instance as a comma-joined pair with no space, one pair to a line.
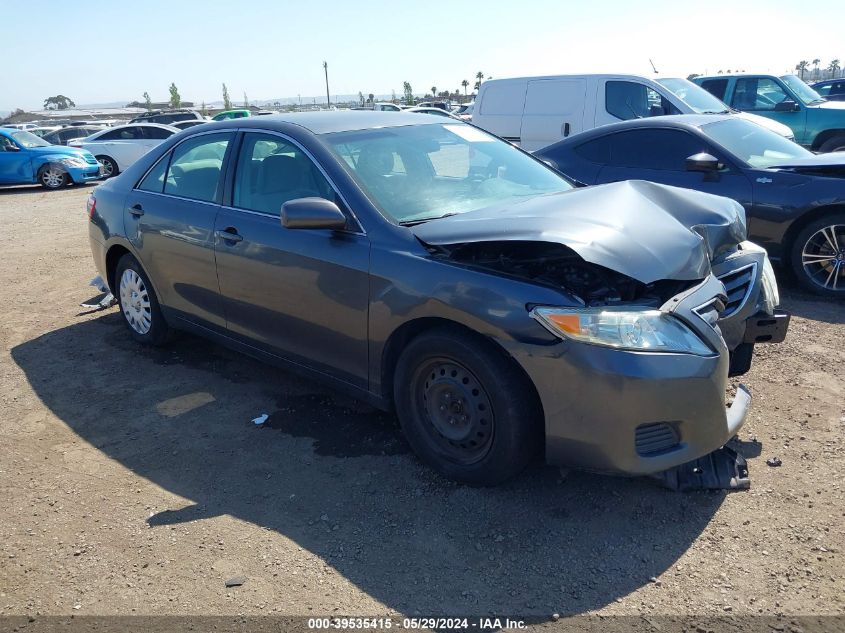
435,270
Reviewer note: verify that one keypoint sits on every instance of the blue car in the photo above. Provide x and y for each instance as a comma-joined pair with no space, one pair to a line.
27,159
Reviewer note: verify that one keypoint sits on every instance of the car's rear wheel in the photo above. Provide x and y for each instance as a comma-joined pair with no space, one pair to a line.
138,303
835,144
465,408
818,255
53,177
109,166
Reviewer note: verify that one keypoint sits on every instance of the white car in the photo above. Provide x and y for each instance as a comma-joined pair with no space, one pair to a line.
118,147
534,112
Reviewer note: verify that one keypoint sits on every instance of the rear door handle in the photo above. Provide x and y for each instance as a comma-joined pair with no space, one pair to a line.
136,210
230,235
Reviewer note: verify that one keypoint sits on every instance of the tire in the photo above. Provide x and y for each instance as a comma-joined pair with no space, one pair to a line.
52,176
835,144
487,426
109,166
817,256
138,303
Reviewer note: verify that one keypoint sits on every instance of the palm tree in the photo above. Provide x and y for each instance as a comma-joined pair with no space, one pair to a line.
816,63
433,91
801,67
833,67
465,83
479,76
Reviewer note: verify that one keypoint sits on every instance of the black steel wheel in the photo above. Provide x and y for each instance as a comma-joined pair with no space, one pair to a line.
466,408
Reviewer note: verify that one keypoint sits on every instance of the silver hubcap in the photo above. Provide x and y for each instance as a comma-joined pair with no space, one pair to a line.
135,302
108,168
53,177
823,257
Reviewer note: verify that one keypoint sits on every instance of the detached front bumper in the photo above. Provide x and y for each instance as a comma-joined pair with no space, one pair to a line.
89,173
636,413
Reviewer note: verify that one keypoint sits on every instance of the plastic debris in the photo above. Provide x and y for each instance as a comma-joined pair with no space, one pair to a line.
236,581
261,419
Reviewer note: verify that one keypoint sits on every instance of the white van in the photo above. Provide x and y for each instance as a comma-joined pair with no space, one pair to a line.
533,112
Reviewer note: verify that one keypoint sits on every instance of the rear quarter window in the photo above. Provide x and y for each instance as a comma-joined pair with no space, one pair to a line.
596,150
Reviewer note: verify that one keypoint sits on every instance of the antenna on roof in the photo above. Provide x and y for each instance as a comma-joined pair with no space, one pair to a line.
652,66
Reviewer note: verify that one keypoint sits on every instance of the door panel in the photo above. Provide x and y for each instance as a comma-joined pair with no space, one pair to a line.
170,220
302,294
15,167
554,109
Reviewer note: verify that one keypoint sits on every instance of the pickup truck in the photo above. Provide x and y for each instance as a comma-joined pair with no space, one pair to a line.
818,124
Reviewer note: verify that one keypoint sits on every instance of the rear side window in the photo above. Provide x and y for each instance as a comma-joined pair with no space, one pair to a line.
595,151
122,134
716,87
157,133
272,171
823,90
654,149
194,170
629,100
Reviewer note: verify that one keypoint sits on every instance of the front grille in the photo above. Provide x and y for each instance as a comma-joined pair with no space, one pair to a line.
90,160
654,438
737,286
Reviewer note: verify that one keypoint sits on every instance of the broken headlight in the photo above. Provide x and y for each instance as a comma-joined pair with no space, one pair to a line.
638,330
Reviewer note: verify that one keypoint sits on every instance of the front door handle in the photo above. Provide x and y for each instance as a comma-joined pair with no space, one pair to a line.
229,234
137,210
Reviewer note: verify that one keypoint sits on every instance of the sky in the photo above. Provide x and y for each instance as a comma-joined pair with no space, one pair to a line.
106,51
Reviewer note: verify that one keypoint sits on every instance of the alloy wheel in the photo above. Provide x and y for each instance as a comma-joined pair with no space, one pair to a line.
108,167
53,177
823,257
135,301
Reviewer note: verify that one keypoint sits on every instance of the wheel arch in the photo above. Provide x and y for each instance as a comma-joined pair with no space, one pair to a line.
113,256
796,227
408,331
824,137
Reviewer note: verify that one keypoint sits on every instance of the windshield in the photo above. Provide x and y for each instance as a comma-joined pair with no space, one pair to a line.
754,144
802,90
421,172
27,140
694,96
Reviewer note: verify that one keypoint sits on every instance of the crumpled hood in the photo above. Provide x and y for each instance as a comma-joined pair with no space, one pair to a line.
640,229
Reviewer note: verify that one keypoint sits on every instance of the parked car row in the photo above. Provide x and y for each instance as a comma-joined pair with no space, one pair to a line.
28,159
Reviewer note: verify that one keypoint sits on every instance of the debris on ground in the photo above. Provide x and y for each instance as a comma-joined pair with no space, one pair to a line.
261,419
723,469
236,581
774,462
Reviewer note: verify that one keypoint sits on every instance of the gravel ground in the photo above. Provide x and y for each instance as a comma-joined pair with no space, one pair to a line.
134,482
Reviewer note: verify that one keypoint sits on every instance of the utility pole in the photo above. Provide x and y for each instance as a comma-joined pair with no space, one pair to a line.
328,98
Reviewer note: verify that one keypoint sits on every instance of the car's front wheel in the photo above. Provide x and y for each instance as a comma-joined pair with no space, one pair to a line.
139,304
52,177
109,166
835,144
818,255
465,408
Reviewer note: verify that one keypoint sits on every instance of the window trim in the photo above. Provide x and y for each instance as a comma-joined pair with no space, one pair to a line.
228,204
169,155
730,161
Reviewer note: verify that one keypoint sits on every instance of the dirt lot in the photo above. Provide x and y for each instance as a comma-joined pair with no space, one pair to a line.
133,481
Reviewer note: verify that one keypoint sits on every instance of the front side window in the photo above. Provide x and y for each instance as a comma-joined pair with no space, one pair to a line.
122,134
654,149
416,173
823,90
758,93
629,100
272,171
195,167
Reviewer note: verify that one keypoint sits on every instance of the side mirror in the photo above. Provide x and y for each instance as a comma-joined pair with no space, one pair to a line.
703,162
312,213
787,106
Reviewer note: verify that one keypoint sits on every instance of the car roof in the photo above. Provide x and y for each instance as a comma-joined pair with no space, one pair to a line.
327,122
676,121
140,124
827,81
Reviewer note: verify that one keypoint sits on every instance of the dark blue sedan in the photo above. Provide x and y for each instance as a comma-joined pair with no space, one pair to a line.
794,199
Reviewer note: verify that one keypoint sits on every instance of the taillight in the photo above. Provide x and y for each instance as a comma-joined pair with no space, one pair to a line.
92,205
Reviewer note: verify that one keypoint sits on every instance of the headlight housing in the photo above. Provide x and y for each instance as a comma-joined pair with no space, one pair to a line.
641,330
72,161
